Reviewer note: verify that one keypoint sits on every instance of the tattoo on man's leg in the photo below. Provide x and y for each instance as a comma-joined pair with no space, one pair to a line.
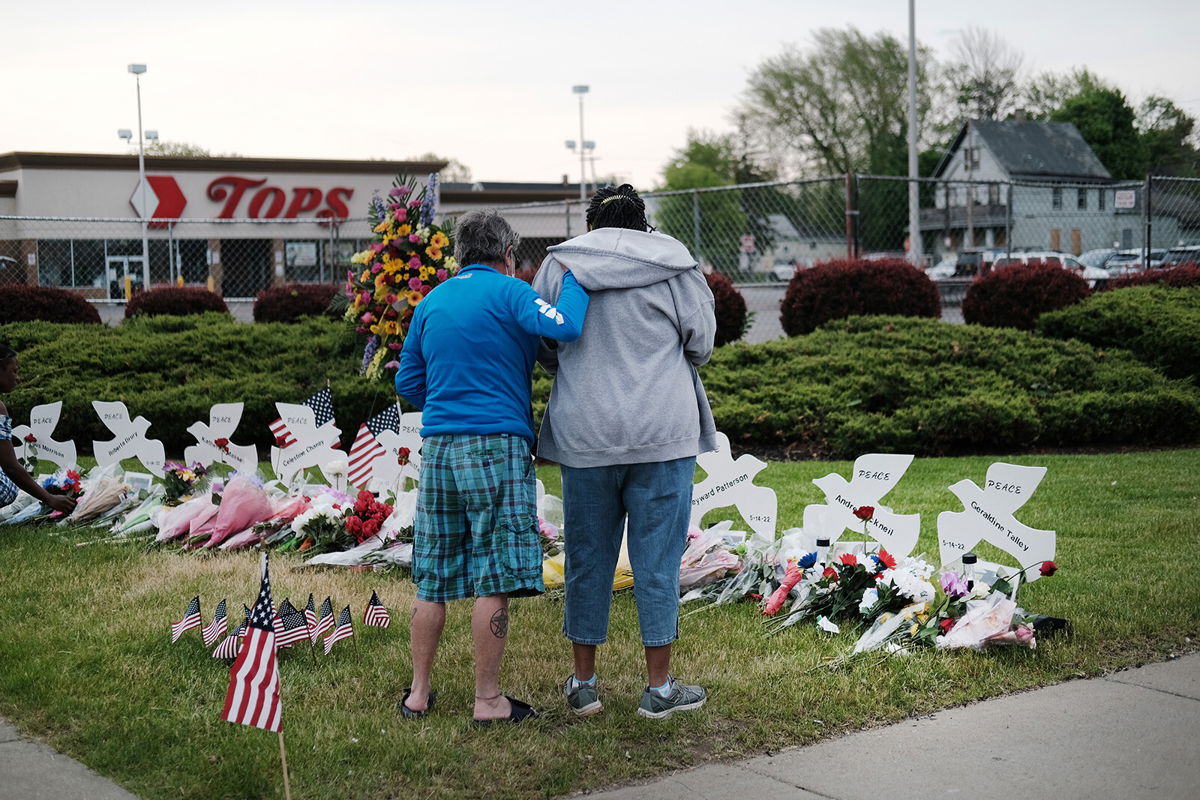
413,615
500,623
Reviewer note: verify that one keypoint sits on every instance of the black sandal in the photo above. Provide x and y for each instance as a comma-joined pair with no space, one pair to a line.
409,713
520,711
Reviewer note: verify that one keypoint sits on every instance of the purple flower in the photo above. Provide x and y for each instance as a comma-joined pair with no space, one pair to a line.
429,201
369,353
954,585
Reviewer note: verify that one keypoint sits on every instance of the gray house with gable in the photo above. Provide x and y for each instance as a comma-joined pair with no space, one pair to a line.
1030,185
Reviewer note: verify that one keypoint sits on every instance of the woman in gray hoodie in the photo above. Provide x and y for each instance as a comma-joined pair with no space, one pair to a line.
627,417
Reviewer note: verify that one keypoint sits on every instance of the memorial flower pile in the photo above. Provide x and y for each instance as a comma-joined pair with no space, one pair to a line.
180,481
366,517
411,255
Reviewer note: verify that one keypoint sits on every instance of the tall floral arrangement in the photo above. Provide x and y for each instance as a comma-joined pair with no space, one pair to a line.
410,256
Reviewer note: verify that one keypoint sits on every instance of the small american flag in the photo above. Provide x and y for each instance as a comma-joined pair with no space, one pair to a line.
366,447
253,696
310,616
325,620
343,630
231,644
191,619
295,627
376,614
213,630
322,405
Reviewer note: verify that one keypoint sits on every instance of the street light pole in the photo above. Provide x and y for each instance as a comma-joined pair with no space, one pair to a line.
137,70
914,194
581,90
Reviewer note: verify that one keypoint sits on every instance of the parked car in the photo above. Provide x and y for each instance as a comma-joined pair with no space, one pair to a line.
943,269
1188,254
1124,262
1096,258
1065,260
976,261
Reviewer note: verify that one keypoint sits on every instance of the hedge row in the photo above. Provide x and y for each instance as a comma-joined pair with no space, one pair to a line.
895,384
860,385
1160,325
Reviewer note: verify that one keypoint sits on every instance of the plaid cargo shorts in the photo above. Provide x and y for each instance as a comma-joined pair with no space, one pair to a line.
476,529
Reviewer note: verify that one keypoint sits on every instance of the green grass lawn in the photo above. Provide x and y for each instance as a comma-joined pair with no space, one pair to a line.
86,662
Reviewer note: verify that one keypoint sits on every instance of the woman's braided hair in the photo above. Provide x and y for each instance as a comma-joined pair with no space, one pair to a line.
617,207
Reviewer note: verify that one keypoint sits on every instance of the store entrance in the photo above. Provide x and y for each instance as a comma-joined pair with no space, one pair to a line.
116,270
245,266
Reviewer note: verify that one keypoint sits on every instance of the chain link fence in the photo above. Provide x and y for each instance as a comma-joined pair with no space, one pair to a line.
754,233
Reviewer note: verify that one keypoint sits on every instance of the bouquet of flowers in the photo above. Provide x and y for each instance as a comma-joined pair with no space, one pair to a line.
180,481
550,538
365,518
411,255
29,459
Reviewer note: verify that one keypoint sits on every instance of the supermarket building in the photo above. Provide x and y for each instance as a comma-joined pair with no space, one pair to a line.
235,224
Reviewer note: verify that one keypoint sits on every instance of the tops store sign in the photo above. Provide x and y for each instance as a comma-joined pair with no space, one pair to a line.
237,197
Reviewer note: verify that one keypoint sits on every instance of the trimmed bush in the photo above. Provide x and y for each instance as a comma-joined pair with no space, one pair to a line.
1158,324
45,303
732,319
294,302
866,384
1183,275
844,288
176,301
895,384
1014,296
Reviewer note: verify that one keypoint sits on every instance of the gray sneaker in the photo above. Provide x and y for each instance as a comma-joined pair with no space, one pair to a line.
680,698
582,699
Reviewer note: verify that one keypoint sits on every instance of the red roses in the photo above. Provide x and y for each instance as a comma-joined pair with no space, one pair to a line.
366,518
864,512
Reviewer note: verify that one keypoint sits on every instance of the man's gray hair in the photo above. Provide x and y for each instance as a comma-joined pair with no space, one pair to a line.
482,236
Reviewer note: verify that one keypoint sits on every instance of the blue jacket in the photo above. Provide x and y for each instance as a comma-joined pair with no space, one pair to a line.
468,357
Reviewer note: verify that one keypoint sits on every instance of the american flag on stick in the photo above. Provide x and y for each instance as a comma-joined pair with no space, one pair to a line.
295,627
376,614
366,447
220,623
310,616
231,644
324,620
344,630
253,696
191,619
322,405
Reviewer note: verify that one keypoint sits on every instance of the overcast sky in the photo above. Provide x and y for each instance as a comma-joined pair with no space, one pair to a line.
489,83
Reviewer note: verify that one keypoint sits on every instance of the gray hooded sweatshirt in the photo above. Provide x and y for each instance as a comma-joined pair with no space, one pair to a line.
627,391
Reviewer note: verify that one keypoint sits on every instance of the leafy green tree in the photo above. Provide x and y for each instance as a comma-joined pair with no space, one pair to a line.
710,223
1168,136
835,107
1106,121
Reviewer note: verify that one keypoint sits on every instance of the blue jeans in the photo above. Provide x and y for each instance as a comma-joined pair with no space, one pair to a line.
657,498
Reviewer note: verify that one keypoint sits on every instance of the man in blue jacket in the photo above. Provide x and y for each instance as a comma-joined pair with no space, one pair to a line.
467,364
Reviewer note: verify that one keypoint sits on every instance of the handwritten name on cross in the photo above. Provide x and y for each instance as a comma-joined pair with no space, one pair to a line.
730,482
312,445
875,474
223,419
988,516
130,441
389,473
43,420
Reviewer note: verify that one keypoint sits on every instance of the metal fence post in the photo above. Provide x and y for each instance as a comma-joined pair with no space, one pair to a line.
567,212
1148,223
1008,214
851,216
696,226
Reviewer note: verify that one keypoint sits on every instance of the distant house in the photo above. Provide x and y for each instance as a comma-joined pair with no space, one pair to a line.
1026,184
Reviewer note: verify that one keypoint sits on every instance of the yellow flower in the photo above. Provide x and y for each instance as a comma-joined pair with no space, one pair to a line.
439,240
913,630
433,253
381,227
366,276
404,230
362,258
451,265
391,327
414,297
374,329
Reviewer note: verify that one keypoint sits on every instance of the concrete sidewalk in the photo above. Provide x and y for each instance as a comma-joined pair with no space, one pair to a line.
1131,734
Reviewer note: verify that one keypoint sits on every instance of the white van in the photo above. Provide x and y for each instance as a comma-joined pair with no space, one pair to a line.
1064,260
